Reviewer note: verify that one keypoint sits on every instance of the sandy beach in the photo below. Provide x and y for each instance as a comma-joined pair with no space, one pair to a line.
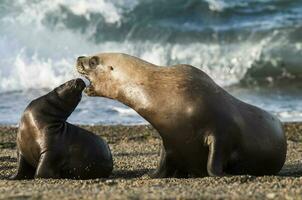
136,152
252,49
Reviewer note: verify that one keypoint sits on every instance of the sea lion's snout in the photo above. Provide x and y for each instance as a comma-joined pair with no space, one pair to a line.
80,57
81,61
86,65
69,94
80,84
82,64
71,88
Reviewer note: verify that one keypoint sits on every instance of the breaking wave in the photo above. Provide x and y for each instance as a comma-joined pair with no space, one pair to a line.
234,42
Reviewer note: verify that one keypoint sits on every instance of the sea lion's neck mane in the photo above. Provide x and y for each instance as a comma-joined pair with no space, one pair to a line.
148,86
143,86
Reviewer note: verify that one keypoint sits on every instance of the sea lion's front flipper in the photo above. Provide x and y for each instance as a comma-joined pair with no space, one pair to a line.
165,169
48,166
24,170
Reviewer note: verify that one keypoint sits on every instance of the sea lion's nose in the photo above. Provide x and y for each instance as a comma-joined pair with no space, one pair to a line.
81,61
80,83
80,57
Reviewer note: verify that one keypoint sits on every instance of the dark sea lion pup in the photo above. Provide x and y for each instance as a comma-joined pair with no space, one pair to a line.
50,147
205,130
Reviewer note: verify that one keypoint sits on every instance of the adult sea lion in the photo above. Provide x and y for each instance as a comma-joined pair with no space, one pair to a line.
50,147
205,130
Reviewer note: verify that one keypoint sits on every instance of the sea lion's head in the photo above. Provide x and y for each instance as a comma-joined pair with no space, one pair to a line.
69,94
106,72
58,104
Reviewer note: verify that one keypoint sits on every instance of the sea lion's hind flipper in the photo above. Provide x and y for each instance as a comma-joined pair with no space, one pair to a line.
24,169
48,166
216,157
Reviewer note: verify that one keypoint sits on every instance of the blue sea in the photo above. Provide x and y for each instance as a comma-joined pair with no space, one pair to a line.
252,48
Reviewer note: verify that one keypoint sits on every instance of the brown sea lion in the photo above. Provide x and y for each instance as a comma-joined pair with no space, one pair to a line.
50,147
205,130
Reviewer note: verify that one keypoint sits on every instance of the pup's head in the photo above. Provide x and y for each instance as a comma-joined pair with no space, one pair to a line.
70,94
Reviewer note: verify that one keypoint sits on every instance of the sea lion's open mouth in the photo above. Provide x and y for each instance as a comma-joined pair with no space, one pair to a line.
81,70
89,89
84,77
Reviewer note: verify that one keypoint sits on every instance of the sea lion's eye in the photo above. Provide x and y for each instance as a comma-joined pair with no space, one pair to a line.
93,62
111,68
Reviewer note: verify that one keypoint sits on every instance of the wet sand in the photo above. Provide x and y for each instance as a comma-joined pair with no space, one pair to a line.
136,152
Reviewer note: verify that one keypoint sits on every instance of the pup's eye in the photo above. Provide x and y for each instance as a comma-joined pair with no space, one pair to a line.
93,62
111,68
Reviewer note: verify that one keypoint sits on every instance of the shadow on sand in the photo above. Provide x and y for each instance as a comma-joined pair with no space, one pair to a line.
8,163
291,170
129,174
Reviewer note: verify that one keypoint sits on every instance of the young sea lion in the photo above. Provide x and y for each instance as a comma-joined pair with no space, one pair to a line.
205,130
50,147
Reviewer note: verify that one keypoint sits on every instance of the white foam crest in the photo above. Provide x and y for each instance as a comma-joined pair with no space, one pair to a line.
41,59
220,5
290,116
227,65
111,10
34,73
34,12
38,58
156,53
48,56
124,111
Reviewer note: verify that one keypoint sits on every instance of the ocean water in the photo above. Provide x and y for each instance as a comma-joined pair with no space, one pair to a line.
251,48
